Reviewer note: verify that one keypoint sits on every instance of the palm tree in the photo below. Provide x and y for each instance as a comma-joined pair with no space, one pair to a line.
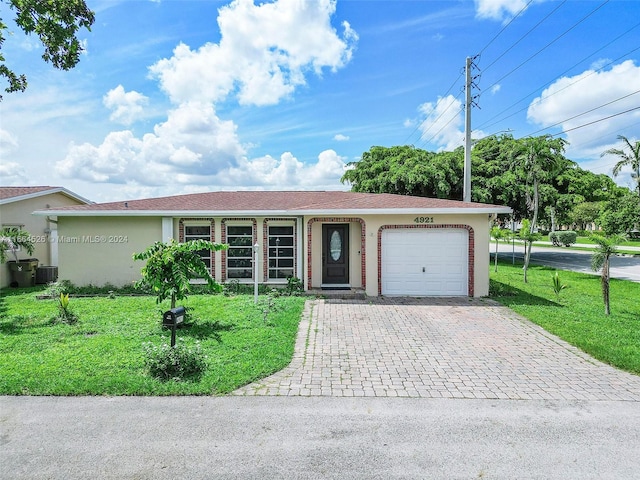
627,159
538,158
606,246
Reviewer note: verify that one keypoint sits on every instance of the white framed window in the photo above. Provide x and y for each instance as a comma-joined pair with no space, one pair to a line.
199,232
240,251
281,251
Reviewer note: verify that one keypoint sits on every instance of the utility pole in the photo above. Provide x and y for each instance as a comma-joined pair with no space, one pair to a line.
466,196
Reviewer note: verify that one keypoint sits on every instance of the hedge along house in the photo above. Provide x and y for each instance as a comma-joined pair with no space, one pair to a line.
381,243
16,206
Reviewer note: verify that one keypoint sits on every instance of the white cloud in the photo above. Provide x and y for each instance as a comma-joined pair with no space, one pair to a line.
8,143
569,97
127,107
340,137
287,172
495,89
12,173
498,9
263,55
191,143
443,124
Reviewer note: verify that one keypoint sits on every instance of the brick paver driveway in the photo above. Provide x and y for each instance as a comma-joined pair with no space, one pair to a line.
458,348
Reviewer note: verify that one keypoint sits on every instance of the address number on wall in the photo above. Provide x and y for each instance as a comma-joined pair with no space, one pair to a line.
423,220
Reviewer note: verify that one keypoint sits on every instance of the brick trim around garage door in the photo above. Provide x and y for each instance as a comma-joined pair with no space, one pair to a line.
471,249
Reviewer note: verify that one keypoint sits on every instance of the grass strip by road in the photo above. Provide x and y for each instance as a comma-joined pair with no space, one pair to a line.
103,353
577,316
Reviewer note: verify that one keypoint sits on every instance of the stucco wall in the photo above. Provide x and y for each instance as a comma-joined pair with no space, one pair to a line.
19,213
83,261
98,250
372,224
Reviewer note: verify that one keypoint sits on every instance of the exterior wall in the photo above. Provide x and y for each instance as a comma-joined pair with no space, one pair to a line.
98,250
19,213
99,263
365,230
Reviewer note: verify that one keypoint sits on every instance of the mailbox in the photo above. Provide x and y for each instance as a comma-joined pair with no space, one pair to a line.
174,317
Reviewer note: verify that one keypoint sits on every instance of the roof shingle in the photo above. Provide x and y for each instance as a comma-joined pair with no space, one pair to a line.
290,201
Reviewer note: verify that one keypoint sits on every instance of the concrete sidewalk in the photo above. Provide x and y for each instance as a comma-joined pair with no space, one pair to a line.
71,438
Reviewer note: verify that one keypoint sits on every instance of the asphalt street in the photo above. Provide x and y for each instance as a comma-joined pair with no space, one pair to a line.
315,437
624,267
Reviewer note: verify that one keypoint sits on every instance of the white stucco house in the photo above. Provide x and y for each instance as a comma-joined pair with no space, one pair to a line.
16,207
381,244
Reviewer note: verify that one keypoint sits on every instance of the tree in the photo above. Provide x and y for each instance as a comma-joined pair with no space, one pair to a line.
630,158
528,236
606,246
585,213
620,214
406,170
11,239
171,265
497,234
56,22
540,159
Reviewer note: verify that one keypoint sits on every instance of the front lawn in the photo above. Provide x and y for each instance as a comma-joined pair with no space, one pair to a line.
578,316
103,353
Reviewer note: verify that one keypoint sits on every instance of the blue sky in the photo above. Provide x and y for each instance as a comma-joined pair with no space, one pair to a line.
187,96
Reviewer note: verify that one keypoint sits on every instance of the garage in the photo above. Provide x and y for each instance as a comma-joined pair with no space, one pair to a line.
425,262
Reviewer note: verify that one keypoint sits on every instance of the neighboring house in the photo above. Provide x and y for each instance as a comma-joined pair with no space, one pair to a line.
380,243
16,207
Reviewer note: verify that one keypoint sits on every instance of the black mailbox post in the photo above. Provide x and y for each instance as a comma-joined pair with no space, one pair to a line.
172,319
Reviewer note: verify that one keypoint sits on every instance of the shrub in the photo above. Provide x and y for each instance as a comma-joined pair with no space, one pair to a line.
179,362
563,237
64,312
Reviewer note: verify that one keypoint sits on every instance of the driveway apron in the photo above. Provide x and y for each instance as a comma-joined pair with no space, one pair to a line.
437,348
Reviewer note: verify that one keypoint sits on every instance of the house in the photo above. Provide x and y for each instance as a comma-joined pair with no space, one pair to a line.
16,206
382,244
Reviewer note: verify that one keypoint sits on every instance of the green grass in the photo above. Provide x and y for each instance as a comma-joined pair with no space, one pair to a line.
588,241
578,316
103,355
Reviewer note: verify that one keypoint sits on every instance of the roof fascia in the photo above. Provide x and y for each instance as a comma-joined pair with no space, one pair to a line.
42,193
270,213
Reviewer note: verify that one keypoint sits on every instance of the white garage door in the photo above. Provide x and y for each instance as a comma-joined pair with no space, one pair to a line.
429,262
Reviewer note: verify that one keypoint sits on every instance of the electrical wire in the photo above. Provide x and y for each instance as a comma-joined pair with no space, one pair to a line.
548,44
596,121
583,113
422,122
486,123
505,27
524,36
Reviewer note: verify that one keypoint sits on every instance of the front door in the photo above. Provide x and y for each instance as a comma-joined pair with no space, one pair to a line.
335,254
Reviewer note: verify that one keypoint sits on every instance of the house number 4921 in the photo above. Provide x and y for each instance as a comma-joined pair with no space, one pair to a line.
423,220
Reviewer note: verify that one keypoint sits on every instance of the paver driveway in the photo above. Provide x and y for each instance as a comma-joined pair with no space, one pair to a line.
457,348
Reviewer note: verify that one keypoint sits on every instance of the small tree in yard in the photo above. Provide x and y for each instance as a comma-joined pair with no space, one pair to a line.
606,246
498,234
171,265
529,237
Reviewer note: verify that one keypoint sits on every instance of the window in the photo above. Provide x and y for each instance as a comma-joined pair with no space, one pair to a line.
199,232
240,252
281,252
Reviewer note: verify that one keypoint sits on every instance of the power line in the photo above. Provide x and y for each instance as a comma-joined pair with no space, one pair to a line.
505,27
596,121
486,123
583,113
549,44
524,36
421,123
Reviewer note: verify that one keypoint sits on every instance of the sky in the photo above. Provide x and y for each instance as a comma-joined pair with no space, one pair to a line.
182,96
